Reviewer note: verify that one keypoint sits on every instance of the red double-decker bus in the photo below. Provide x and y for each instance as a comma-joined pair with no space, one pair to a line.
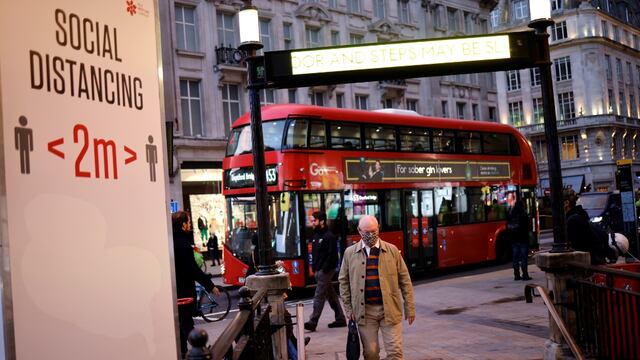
440,188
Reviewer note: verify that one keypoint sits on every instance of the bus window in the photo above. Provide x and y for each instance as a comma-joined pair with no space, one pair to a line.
345,136
468,142
358,203
443,141
311,205
242,211
392,221
272,134
296,134
335,213
451,205
239,141
286,233
495,144
499,200
416,140
477,203
317,135
379,138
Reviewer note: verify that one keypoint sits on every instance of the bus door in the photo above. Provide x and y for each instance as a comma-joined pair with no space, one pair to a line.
419,229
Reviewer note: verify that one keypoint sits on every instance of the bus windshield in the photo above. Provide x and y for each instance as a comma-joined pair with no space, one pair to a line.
284,225
240,138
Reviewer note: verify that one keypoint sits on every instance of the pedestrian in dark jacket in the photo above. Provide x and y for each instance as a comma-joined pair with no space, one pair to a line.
582,236
325,260
518,227
187,273
212,248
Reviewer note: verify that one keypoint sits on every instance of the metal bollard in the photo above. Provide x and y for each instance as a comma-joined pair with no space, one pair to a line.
300,323
198,339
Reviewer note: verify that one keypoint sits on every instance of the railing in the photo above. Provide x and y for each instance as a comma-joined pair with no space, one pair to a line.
393,82
250,331
229,56
607,306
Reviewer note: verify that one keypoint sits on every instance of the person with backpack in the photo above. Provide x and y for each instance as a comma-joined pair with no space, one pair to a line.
518,227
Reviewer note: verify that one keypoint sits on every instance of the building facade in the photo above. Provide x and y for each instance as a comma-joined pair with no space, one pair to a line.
595,50
205,77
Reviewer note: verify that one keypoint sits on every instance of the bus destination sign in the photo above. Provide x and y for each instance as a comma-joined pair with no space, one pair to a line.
243,177
385,170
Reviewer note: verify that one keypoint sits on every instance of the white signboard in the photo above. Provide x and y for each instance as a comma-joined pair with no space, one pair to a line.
87,224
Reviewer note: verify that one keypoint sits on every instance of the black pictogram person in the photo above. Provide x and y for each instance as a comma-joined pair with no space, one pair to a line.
24,144
152,158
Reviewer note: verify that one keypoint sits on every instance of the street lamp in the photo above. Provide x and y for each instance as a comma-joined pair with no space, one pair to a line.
248,23
540,21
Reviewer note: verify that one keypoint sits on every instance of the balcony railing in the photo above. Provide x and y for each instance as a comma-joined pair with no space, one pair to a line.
229,55
395,83
580,122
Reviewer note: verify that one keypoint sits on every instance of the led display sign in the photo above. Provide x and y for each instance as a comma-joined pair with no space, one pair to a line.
379,56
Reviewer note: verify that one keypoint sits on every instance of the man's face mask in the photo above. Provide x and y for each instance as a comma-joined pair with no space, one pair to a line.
369,237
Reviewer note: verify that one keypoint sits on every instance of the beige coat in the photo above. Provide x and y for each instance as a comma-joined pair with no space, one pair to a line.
394,279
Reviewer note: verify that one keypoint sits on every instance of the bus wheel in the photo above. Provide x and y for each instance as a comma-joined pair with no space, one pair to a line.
503,250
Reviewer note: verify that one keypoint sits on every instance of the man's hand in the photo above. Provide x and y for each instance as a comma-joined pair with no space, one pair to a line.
350,316
215,291
410,319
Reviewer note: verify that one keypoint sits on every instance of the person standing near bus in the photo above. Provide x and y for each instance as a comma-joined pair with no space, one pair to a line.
187,273
369,300
325,260
518,227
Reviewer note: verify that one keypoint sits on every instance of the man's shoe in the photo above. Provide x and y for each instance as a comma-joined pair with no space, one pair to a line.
337,324
527,277
309,326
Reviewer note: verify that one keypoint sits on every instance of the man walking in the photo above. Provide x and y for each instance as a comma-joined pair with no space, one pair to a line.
372,278
325,260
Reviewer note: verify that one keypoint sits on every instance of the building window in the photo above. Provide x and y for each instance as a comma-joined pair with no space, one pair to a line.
495,18
492,113
556,5
230,104
461,110
535,76
559,31
340,100
633,112
288,36
265,35
379,9
483,27
566,106
445,108
355,39
521,9
474,112
570,150
513,80
313,38
335,38
412,104
468,23
608,68
629,74
612,101
403,11
293,96
515,113
191,108
563,68
636,42
226,32
638,73
333,4
619,69
616,33
605,29
452,19
353,6
541,151
362,102
623,104
318,98
538,111
267,97
387,103
186,28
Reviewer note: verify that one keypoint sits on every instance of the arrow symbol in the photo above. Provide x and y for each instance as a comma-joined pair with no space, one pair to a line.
51,147
133,156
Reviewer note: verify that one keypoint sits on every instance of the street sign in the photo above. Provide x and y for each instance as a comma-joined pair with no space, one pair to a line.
85,232
399,60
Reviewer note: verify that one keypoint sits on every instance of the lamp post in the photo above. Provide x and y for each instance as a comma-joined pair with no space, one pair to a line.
250,43
540,21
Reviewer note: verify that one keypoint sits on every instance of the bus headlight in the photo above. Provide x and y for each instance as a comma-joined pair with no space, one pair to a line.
596,219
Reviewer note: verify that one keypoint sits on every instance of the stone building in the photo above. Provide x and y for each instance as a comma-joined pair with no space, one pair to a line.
595,49
204,78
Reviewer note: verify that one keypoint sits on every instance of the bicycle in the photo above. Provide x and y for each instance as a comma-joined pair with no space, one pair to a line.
212,308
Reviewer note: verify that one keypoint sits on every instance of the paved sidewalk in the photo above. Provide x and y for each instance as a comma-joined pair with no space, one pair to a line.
480,316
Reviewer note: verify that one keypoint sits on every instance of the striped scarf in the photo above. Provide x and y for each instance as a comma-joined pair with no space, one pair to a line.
372,293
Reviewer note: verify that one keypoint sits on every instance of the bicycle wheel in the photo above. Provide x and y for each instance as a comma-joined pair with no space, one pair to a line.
215,308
